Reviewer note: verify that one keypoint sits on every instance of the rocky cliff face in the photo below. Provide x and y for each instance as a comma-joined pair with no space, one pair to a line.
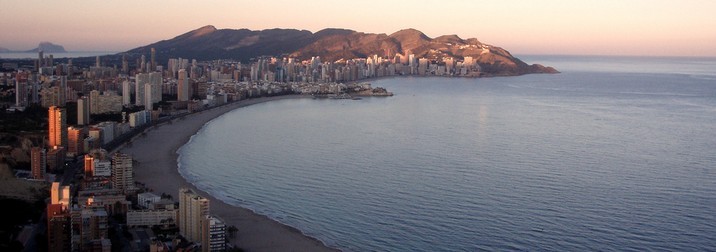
208,43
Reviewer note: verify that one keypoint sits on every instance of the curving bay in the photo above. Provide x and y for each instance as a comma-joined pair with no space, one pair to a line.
595,158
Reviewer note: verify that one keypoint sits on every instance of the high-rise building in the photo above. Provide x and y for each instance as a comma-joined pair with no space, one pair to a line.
60,194
126,93
75,137
20,93
94,101
35,90
97,62
70,69
449,64
102,168
153,59
93,227
83,111
55,158
103,131
125,64
155,79
140,80
104,103
50,97
95,163
423,66
63,90
38,162
58,228
97,133
192,210
41,58
57,121
122,178
213,234
89,165
182,86
148,104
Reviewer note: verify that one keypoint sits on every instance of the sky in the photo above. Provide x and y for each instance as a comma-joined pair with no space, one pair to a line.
604,27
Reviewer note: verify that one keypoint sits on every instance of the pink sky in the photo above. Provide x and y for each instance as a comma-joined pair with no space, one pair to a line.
606,27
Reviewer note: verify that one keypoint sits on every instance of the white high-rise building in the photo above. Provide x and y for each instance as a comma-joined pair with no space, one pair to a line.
126,93
148,93
155,79
102,168
213,234
20,94
140,80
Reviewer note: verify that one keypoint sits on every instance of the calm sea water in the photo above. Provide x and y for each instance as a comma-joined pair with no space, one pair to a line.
24,55
612,154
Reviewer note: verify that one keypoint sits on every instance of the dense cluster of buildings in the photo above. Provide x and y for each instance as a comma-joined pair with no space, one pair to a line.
79,214
104,89
80,221
149,91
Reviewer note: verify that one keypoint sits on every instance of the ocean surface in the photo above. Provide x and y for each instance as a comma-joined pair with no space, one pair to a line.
25,55
613,154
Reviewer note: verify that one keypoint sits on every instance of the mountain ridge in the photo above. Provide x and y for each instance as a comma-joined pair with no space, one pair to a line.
333,44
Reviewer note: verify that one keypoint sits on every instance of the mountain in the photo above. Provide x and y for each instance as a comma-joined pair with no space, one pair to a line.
48,47
207,43
4,50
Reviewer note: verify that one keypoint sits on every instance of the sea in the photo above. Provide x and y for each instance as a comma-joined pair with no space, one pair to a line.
612,154
72,54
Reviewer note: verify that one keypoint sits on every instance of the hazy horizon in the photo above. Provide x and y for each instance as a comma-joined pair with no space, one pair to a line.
631,28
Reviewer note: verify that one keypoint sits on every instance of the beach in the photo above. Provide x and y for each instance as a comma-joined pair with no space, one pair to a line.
156,167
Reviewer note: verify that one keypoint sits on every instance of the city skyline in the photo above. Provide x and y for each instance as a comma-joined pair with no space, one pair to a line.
636,27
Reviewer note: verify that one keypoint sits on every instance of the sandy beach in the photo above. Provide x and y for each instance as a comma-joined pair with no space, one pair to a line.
157,168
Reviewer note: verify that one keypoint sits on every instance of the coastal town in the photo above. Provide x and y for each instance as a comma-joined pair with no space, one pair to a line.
326,126
70,134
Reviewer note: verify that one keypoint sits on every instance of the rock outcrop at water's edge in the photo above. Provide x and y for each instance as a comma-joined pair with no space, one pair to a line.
48,47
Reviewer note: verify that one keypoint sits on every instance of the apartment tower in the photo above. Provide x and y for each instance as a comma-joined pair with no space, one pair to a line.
192,211
57,121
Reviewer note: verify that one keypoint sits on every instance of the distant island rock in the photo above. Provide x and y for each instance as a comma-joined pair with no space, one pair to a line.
208,43
4,50
48,47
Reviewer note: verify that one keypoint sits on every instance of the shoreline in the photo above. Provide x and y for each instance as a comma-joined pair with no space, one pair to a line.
156,165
